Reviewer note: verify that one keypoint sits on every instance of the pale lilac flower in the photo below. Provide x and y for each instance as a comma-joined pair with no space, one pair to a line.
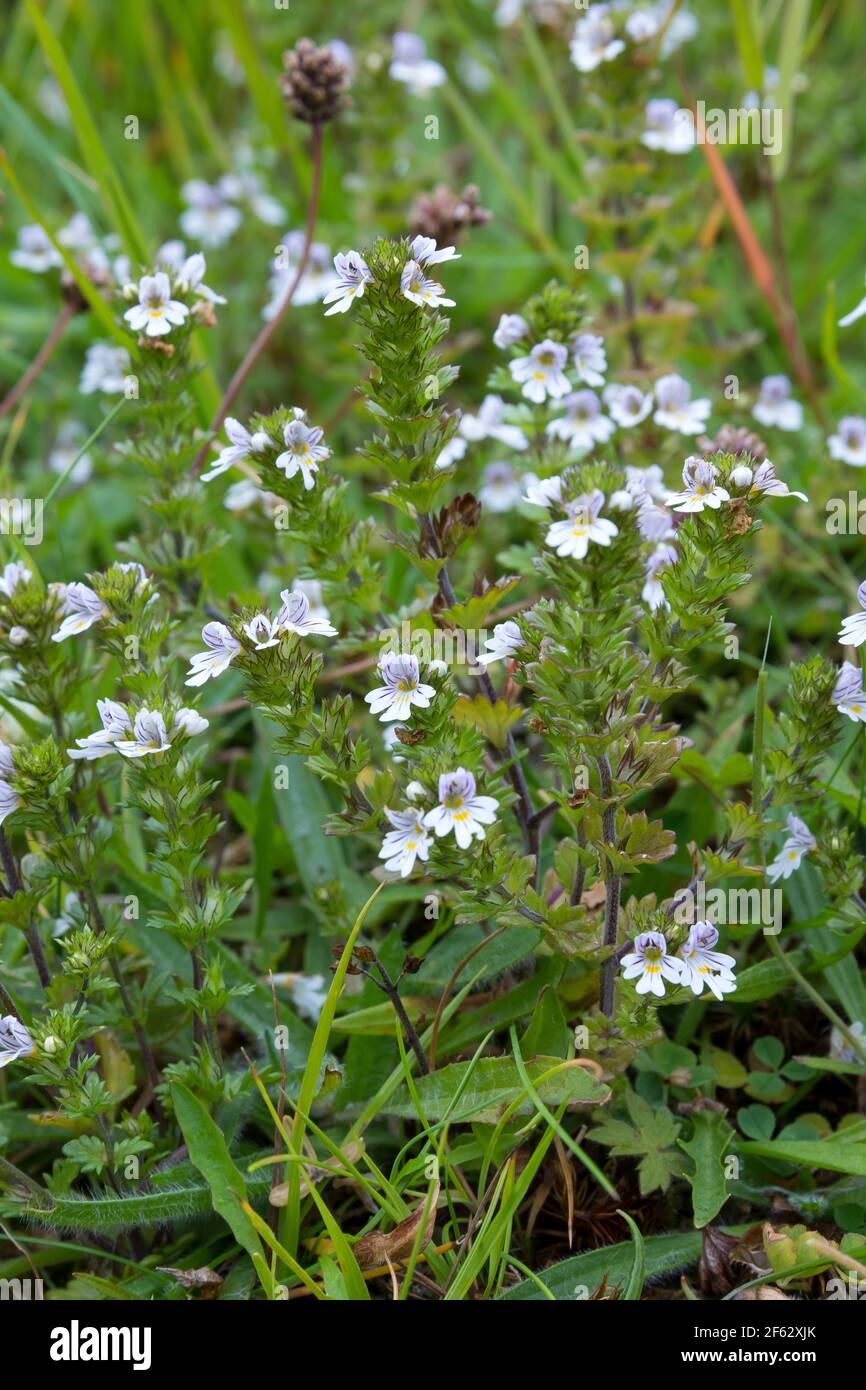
488,424
171,256
763,480
66,453
241,445
149,735
775,408
309,993
702,965
420,289
541,373
627,404
654,522
424,250
19,636
156,313
675,409
105,369
246,186
263,632
353,274
318,278
415,790
35,250
210,220
15,1041
800,841
411,66
304,449
641,484
590,359
853,630
669,127
505,641
595,40
312,590
82,608
7,761
650,964
856,313
115,725
653,593
700,488
401,689
244,494
190,279
408,841
453,451
9,801
582,526
188,722
500,487
460,809
296,616
14,573
583,426
542,492
848,694
222,650
511,329
643,25
848,444
679,30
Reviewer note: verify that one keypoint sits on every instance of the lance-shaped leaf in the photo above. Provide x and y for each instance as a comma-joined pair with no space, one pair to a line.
492,721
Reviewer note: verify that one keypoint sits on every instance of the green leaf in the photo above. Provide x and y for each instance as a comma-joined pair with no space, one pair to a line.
492,721
707,1149
547,1033
757,1121
837,1154
634,1287
649,1138
209,1153
482,1092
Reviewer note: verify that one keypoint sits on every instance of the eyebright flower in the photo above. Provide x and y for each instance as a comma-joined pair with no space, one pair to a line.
541,374
799,842
210,219
318,278
488,424
149,735
308,992
589,358
650,964
652,593
460,809
627,404
582,526
775,407
312,590
675,409
856,313
583,425
424,250
594,40
848,694
304,449
641,484
81,609
848,444
411,66
420,289
670,128
223,648
105,369
642,25
189,722
853,630
15,1041
156,313
296,616
500,488
408,841
241,445
701,965
542,492
654,522
511,329
14,573
353,274
505,641
763,480
35,250
262,631
115,724
190,279
699,488
401,690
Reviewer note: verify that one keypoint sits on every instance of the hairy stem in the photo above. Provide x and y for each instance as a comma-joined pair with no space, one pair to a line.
612,887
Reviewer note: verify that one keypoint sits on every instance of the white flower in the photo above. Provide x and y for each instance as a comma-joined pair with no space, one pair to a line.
488,424
505,641
244,494
309,993
589,358
7,761
650,964
681,28
304,449
82,608
775,407
654,522
35,250
856,313
241,445
675,409
190,278
500,487
410,65
542,492
420,289
642,25
318,279
452,453
149,735
401,690
105,369
800,841
762,480
415,790
353,274
582,526
19,636
701,965
263,632
222,650
14,573
541,373
853,630
408,841
209,219
669,127
594,40
641,485
115,724
156,312
246,186
312,590
66,452
583,425
189,722
424,250
699,488
511,329
653,593
848,694
9,802
15,1041
627,404
460,809
296,616
848,444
